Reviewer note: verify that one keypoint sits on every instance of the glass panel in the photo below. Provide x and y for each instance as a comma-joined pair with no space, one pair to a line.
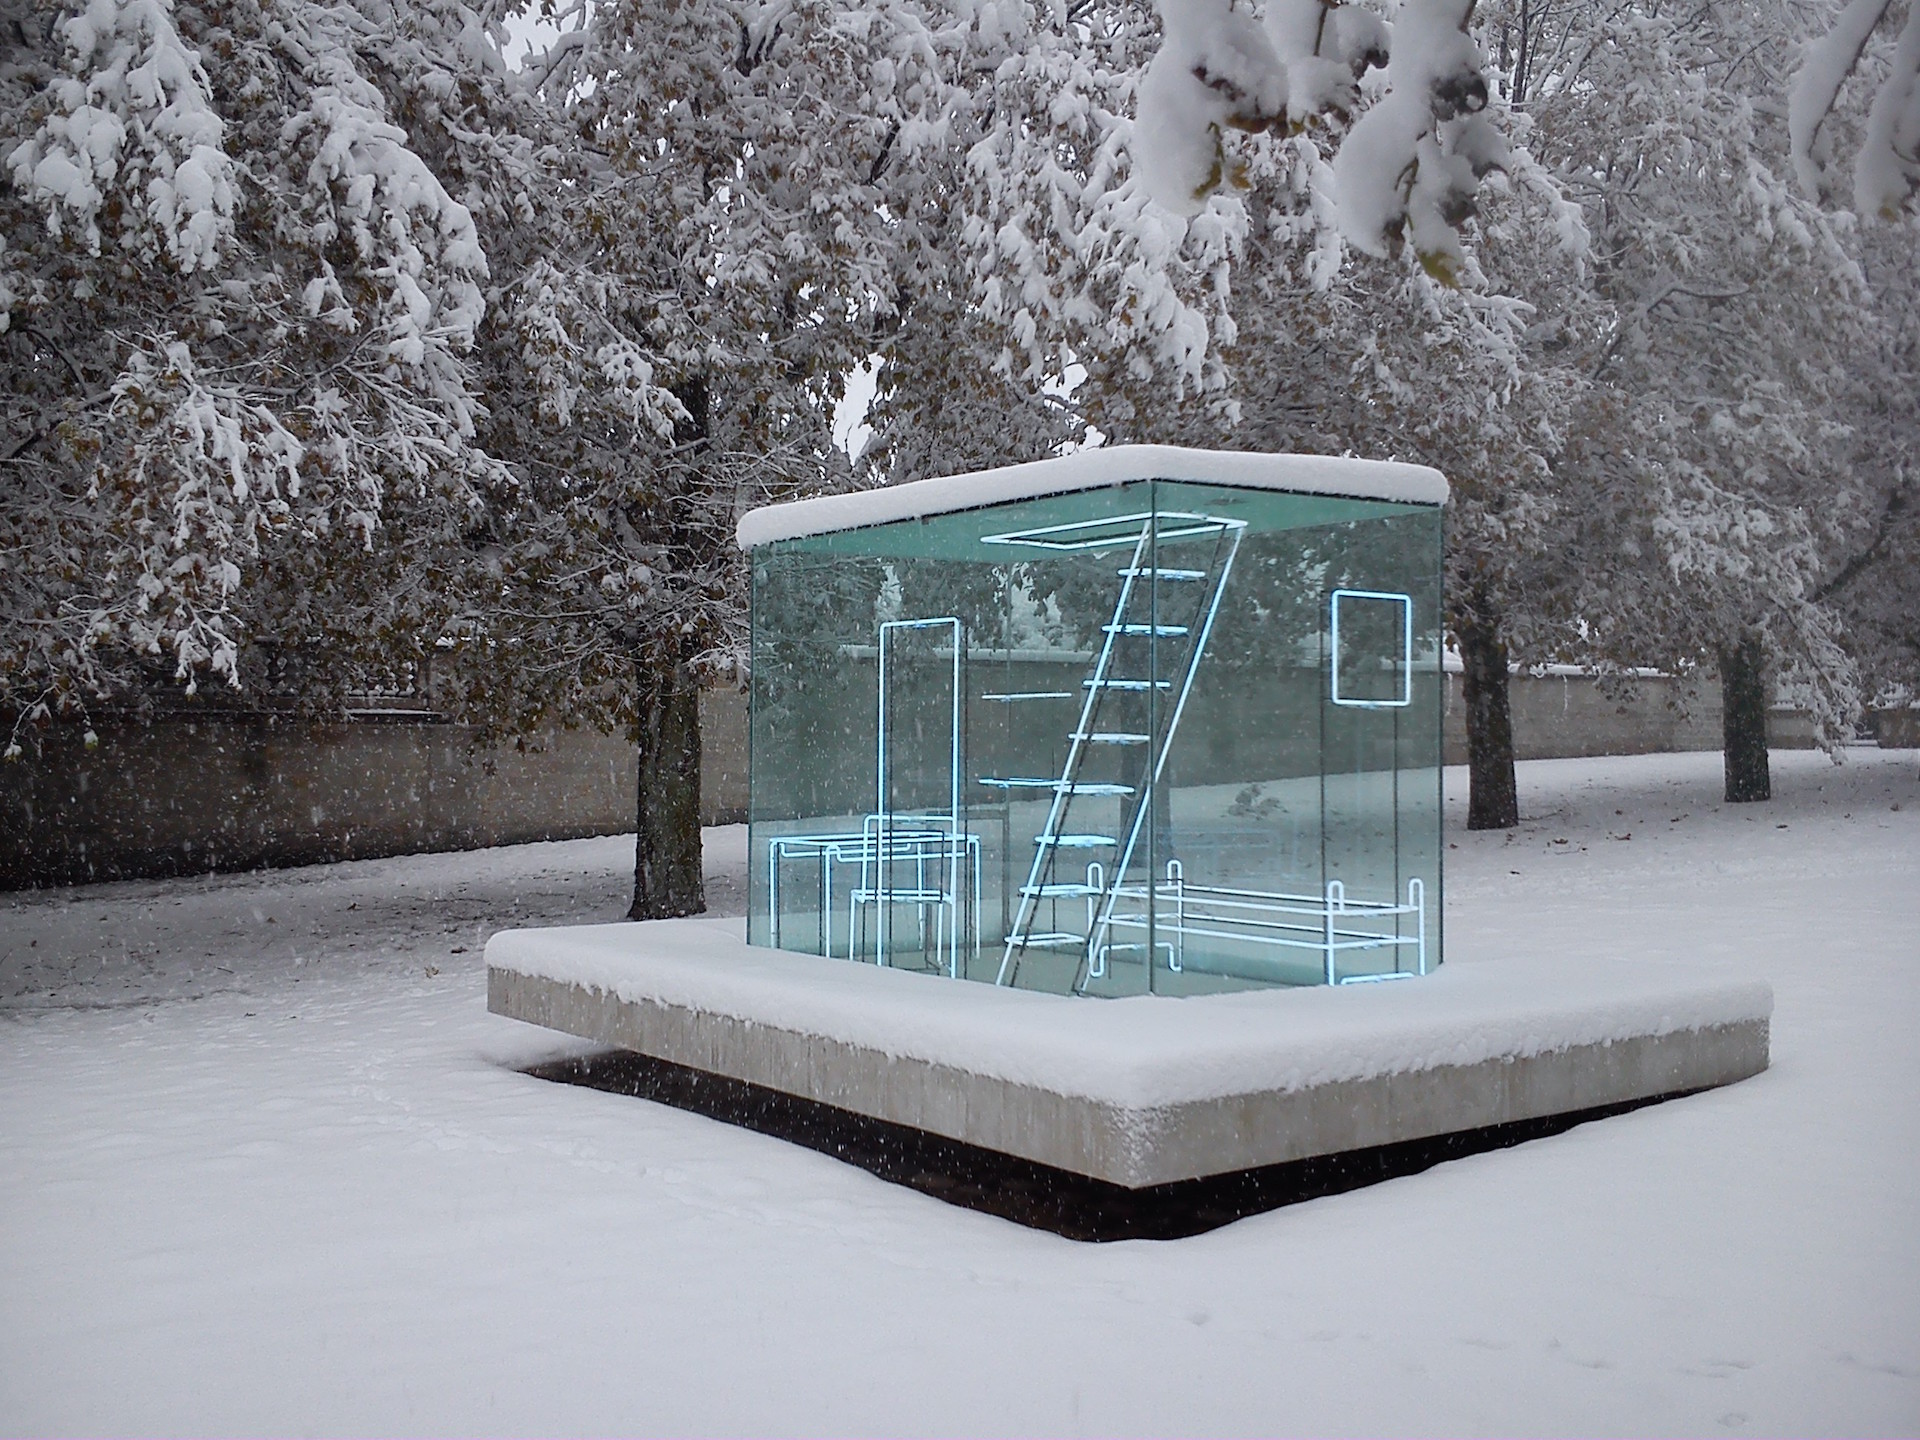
1098,743
1074,784
1376,774
1243,782
813,742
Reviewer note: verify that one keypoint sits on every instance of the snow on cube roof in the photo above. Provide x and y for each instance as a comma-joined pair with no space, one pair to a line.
1093,470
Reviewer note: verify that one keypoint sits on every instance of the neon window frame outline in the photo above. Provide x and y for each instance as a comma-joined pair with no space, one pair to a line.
1405,602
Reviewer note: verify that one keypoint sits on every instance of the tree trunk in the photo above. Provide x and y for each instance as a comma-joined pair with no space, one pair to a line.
667,879
1493,794
1743,710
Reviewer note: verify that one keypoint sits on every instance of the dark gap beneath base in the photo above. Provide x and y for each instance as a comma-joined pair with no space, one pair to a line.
1074,1206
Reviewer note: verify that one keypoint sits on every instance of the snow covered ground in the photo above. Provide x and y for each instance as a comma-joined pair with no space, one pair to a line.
267,1165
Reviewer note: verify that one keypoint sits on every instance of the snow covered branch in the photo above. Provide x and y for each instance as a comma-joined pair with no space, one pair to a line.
1411,165
134,122
1886,164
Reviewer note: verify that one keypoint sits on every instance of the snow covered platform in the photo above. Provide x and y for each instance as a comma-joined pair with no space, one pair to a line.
1142,1091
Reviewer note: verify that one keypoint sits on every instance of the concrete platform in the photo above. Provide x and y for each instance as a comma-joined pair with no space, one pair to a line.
1141,1091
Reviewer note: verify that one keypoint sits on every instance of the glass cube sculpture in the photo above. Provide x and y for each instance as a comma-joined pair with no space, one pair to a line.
1134,721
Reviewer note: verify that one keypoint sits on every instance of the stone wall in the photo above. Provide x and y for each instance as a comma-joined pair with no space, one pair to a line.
1567,714
1897,729
232,793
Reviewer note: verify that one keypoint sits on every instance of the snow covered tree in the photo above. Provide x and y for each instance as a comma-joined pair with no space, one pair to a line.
1669,421
1857,94
1069,262
728,261
1725,482
336,342
1871,586
950,393
238,315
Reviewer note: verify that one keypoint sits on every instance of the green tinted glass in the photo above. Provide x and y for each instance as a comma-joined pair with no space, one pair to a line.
1154,738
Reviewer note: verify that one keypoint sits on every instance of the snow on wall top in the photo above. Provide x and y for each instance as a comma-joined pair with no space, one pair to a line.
1093,470
1142,1051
